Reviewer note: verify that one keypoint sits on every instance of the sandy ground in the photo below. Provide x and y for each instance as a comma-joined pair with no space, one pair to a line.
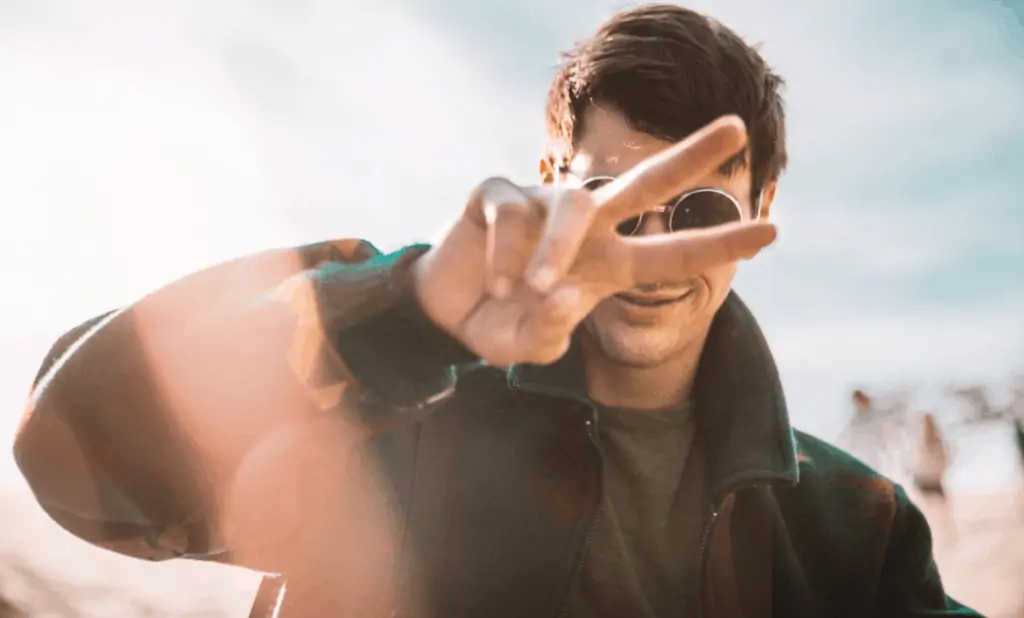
982,559
52,574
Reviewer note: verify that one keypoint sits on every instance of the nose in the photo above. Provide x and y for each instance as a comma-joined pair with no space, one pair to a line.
653,223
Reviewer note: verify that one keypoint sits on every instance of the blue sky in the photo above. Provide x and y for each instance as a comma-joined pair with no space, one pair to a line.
140,144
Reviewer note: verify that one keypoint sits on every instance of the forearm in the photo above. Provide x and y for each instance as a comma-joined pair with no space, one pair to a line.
144,418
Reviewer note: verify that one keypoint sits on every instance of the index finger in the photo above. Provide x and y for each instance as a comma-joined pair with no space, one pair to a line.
661,177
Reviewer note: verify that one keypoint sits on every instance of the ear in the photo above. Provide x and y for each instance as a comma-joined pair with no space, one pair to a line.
767,198
548,171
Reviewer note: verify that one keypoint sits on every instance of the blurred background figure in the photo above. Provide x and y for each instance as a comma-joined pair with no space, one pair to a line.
1018,434
1016,413
928,469
864,435
10,610
873,431
861,404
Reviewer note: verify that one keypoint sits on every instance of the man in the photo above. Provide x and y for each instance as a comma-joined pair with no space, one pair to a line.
560,409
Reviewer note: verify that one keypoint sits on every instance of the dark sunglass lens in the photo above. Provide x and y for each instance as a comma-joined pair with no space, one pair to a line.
703,209
629,226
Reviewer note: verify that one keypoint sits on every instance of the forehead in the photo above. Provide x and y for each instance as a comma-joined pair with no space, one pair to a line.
608,146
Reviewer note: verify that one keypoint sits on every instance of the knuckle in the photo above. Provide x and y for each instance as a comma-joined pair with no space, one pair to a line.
580,201
511,207
514,211
481,191
497,194
494,183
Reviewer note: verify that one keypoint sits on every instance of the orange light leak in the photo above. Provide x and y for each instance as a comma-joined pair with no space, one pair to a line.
294,489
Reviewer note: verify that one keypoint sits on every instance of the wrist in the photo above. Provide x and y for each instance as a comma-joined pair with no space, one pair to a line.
419,287
396,346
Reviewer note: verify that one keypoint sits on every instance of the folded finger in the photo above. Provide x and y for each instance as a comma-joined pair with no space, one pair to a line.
513,224
547,330
490,331
567,223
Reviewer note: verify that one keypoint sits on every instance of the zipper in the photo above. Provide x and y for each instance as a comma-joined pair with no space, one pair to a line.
591,425
578,570
702,551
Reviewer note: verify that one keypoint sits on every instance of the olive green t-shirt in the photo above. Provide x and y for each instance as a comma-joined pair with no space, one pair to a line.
642,560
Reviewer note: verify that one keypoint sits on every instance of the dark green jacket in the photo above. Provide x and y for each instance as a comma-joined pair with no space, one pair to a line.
492,477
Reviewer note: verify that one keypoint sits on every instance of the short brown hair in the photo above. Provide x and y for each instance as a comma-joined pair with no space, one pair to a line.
670,71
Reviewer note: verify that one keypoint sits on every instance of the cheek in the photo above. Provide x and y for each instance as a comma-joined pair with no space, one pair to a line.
719,282
604,312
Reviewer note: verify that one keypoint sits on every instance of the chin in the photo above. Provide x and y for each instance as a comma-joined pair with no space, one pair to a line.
642,345
636,351
642,335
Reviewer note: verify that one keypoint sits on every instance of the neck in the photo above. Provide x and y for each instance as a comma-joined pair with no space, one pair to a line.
651,387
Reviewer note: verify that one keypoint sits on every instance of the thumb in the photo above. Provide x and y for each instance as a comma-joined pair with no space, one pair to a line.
547,332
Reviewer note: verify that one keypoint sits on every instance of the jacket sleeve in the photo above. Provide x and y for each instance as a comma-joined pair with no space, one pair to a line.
910,585
139,419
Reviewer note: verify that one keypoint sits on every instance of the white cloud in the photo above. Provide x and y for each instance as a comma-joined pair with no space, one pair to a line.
926,345
389,124
116,177
133,152
892,234
873,95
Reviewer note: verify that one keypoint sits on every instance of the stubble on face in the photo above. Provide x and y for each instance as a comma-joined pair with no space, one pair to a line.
631,334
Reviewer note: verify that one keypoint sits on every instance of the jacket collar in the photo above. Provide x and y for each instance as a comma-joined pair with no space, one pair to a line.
738,399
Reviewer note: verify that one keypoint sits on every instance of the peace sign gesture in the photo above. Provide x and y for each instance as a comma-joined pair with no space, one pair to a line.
523,266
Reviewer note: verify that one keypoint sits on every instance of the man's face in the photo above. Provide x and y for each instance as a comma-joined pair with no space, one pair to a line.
649,326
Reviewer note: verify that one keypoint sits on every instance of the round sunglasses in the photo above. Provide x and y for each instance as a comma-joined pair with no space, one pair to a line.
696,209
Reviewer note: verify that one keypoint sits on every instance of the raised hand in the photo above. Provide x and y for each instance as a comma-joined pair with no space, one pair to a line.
523,266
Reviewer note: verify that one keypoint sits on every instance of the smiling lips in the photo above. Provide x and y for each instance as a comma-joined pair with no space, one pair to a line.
654,300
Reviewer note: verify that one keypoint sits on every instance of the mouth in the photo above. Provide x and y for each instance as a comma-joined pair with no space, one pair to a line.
655,300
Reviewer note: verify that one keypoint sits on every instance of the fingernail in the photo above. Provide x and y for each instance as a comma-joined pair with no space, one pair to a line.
502,287
543,279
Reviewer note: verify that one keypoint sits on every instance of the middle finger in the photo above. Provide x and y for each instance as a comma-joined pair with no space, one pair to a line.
676,256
